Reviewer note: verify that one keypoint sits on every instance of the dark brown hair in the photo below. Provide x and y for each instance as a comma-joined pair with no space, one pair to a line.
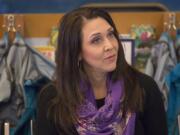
68,74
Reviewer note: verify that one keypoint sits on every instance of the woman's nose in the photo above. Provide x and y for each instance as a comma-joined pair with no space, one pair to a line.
108,45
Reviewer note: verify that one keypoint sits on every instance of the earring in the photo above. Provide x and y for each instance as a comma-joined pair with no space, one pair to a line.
79,64
79,61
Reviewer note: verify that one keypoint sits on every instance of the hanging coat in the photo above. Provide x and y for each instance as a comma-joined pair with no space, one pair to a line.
23,63
161,61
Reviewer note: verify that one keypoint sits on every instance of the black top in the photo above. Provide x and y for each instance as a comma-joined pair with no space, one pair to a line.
100,102
152,121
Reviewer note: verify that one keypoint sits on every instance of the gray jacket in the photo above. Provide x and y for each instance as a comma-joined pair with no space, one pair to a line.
22,63
161,62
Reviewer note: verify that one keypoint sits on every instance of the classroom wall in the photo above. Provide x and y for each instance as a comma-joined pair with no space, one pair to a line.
40,25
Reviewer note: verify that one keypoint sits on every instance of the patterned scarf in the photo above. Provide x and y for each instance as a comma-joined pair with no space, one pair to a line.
107,120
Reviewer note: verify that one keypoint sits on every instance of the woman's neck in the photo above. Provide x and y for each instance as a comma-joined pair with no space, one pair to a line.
98,83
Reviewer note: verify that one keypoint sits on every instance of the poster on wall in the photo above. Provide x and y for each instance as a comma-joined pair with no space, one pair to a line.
128,46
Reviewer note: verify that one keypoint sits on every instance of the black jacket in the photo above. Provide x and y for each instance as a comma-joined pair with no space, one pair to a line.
152,121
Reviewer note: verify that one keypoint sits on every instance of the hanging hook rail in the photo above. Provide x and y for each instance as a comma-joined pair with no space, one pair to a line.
13,23
9,23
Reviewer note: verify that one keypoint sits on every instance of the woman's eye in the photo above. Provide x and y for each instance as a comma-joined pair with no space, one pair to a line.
96,40
111,34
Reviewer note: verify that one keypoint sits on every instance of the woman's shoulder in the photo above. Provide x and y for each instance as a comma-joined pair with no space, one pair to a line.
151,90
47,93
44,120
147,82
144,79
152,93
153,117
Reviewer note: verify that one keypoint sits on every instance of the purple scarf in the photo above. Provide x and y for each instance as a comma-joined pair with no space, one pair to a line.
106,120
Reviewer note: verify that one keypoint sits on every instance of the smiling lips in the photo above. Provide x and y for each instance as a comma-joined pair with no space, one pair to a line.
110,58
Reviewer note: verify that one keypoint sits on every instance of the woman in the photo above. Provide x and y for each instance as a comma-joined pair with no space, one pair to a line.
96,92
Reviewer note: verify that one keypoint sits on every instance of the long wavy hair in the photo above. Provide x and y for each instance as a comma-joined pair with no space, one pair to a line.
68,73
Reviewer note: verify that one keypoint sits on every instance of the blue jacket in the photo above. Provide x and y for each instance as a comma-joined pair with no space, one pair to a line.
173,82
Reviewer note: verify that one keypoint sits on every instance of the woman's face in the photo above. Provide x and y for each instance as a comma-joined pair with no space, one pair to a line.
99,46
